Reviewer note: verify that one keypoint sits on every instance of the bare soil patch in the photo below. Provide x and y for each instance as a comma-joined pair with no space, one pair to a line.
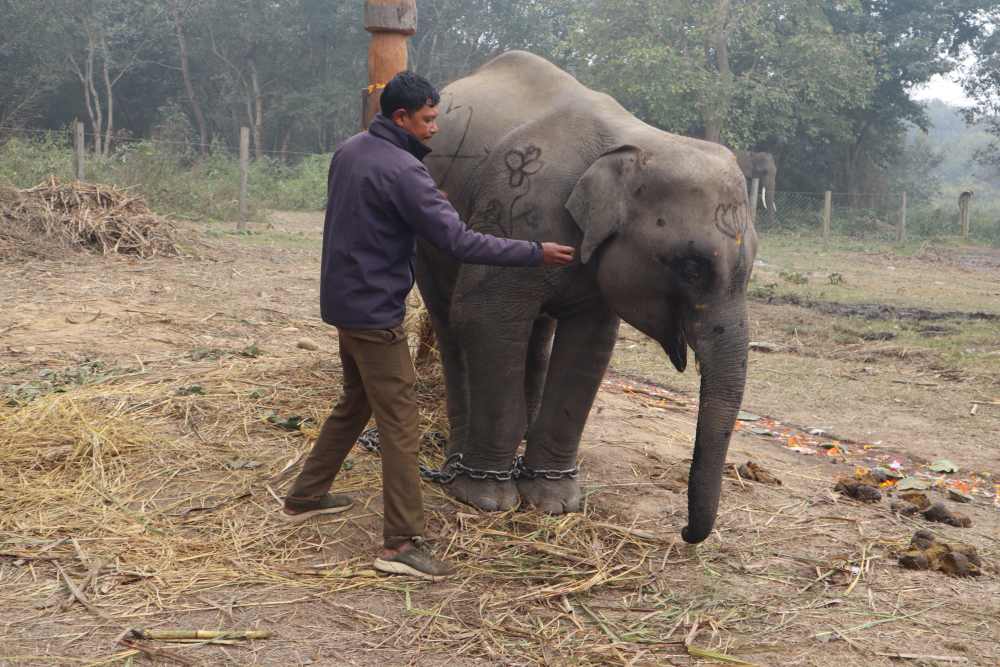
878,311
139,460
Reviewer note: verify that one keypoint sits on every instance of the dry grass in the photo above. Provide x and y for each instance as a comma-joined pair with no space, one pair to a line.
145,496
122,514
128,501
76,214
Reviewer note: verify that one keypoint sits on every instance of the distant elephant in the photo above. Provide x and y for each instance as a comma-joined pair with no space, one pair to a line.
761,166
664,238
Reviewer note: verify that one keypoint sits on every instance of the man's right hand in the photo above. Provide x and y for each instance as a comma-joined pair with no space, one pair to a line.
554,254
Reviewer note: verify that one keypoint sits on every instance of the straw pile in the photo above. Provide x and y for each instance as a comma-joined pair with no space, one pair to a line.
96,217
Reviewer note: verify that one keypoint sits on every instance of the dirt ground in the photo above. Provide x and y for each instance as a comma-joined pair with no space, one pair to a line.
138,462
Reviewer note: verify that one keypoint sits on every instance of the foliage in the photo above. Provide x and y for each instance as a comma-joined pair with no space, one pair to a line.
759,71
823,84
180,184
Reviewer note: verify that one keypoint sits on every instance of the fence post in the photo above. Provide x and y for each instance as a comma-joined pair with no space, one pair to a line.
754,191
901,231
79,150
827,213
244,168
963,206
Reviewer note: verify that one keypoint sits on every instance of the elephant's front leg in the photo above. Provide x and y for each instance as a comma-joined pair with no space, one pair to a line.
495,353
581,352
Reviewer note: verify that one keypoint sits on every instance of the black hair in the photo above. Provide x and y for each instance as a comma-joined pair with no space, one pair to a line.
408,91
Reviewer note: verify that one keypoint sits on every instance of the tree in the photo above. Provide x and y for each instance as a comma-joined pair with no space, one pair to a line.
177,13
913,40
734,71
983,85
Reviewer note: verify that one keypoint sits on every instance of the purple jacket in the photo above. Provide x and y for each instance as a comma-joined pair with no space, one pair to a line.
380,198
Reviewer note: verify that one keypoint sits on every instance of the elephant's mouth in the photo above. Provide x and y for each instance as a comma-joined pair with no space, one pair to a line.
674,343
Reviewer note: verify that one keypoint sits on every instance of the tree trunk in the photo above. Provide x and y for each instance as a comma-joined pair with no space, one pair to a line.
98,112
199,117
285,140
83,74
717,54
258,114
90,97
109,91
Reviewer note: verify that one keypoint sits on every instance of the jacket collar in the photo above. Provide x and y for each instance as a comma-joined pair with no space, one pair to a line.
383,128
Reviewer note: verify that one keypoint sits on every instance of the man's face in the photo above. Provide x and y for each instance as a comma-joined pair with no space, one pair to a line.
422,123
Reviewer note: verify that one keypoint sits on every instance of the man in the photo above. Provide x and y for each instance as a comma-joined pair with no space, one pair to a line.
380,198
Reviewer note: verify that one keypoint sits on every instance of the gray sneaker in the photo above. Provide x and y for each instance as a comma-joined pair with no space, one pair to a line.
416,562
328,504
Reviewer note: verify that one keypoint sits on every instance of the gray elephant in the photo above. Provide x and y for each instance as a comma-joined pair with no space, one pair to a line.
665,242
761,166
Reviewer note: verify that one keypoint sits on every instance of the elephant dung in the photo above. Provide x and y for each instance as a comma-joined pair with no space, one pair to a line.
757,473
857,490
941,514
955,559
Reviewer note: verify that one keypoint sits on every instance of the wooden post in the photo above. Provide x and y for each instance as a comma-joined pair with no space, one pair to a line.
901,232
827,213
79,150
244,173
754,192
391,23
963,208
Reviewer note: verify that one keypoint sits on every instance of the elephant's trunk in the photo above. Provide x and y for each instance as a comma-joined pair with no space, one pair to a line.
721,348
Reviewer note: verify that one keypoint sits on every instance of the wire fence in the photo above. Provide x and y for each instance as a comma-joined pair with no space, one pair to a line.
856,215
119,141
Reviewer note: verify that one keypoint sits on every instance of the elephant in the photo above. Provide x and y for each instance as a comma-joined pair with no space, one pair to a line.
664,241
763,167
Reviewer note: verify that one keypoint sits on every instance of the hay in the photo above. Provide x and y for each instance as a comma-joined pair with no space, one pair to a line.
121,493
81,215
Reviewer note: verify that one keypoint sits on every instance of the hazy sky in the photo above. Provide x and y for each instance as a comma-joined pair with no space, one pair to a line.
942,88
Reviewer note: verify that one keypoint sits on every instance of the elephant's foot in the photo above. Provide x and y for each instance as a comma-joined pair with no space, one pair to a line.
486,494
552,496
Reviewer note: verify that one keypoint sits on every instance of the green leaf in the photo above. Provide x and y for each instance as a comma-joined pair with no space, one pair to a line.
944,465
913,484
293,423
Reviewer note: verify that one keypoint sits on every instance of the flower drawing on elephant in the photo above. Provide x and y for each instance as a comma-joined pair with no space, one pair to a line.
490,218
523,163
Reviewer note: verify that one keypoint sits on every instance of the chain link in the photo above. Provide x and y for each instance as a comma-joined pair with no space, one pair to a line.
521,471
370,440
453,466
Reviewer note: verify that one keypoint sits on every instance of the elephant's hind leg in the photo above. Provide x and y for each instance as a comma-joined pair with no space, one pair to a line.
580,355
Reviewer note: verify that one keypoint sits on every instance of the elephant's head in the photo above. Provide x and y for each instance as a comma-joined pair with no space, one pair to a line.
766,170
669,235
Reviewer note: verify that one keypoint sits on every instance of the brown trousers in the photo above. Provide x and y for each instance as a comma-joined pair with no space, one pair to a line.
379,378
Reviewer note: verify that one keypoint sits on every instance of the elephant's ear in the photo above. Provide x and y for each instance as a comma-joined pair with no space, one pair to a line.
599,202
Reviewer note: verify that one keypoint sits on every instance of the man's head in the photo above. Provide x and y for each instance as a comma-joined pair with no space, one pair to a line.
409,100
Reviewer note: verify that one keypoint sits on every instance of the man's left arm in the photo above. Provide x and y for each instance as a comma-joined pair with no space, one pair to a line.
432,217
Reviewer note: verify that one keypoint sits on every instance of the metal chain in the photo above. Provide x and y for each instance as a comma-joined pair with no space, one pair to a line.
521,471
453,466
370,440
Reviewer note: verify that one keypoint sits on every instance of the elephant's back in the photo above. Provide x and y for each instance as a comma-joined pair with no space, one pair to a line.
476,111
